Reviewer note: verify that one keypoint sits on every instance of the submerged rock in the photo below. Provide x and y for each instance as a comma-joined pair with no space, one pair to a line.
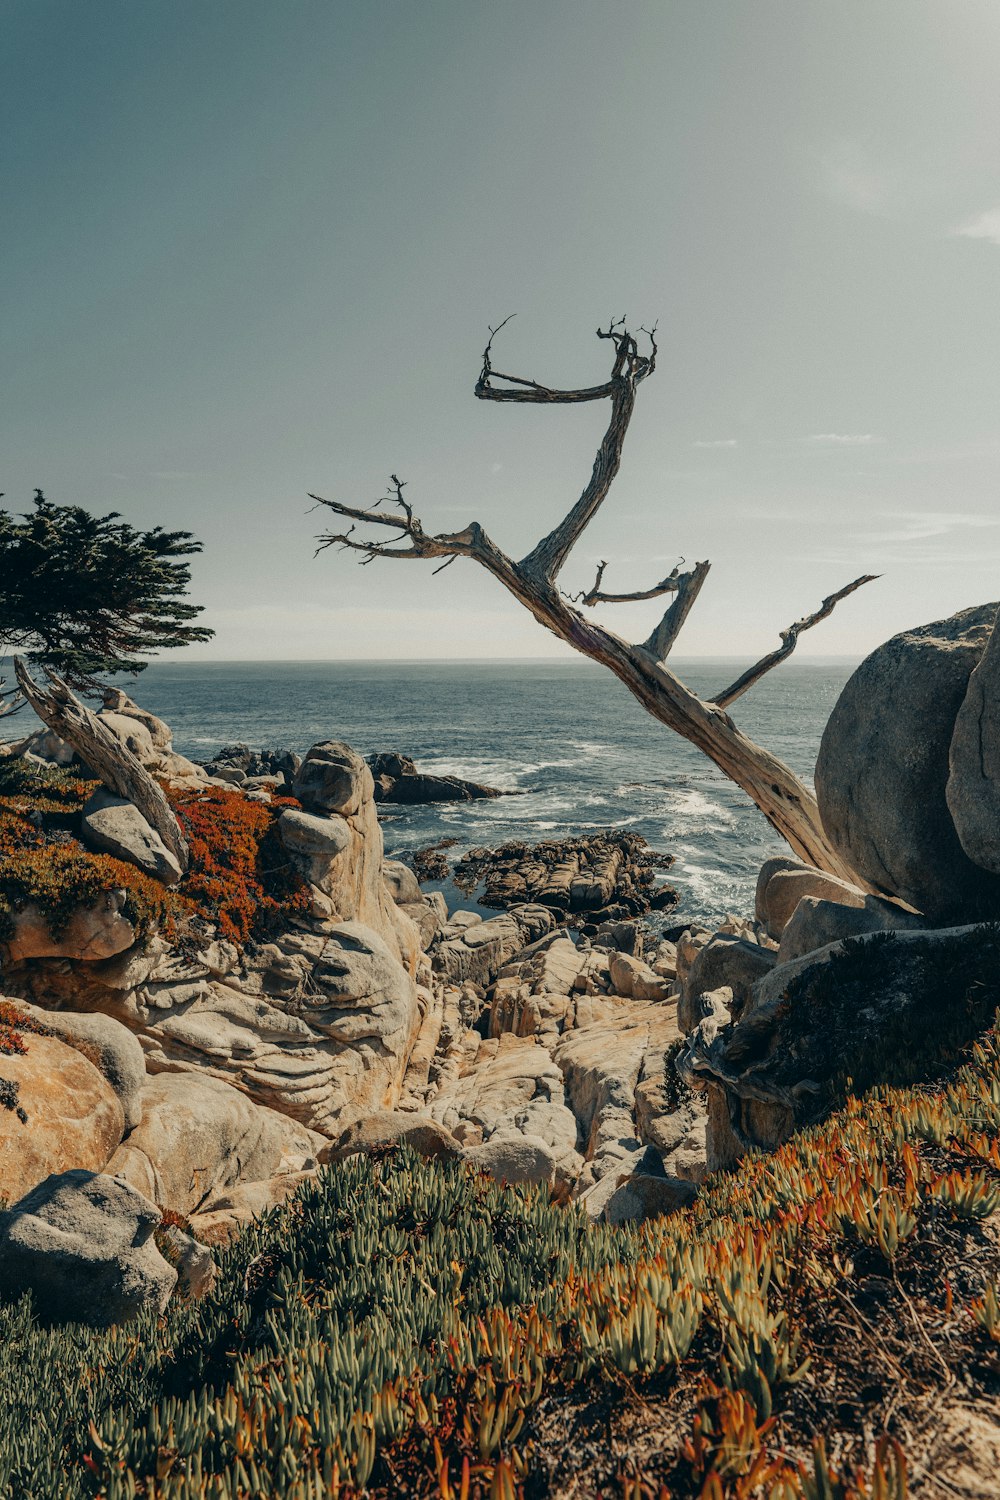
398,780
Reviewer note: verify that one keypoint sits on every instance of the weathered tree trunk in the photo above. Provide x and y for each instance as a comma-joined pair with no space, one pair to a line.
785,800
118,768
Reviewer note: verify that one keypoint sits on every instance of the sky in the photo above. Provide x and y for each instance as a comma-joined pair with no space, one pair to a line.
251,250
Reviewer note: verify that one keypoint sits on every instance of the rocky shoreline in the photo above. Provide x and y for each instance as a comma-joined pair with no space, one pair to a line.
537,1039
182,1050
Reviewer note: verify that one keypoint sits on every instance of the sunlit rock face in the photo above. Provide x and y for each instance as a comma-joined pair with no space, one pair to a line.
883,769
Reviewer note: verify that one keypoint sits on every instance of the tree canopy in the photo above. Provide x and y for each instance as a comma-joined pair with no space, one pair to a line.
89,596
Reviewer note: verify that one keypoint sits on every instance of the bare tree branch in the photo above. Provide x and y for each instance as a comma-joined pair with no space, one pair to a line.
630,367
10,698
689,585
789,639
784,799
668,585
121,771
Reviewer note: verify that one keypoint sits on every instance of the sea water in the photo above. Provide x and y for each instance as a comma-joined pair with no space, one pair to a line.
567,737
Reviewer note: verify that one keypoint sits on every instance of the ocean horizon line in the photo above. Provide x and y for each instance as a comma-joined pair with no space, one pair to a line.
799,660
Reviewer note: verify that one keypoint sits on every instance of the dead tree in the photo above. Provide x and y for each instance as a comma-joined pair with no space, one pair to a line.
10,699
120,770
782,797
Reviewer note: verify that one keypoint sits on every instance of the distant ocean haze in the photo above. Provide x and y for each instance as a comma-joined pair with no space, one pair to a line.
566,736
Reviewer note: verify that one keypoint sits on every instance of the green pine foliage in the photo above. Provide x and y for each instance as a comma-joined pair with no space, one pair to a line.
89,596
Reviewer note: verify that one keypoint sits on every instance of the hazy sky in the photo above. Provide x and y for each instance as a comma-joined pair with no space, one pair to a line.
251,249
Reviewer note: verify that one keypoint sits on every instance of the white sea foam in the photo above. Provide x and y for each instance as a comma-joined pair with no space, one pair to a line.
691,811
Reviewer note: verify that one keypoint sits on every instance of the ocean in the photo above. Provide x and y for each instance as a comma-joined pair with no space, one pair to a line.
566,736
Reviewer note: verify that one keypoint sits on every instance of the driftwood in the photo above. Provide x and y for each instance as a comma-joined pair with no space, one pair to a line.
787,803
121,772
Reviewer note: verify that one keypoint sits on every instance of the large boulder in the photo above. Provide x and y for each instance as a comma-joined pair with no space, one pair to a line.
132,735
61,1112
227,1213
386,1129
973,790
82,1244
199,1136
110,1045
113,825
883,769
515,1158
768,868
646,1195
333,778
787,888
116,701
887,1008
404,887
90,934
636,980
815,923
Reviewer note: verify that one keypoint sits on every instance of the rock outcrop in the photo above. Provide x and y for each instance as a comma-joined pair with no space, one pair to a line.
89,934
82,1244
598,877
398,780
880,1009
724,961
109,1045
320,1027
883,769
816,923
336,843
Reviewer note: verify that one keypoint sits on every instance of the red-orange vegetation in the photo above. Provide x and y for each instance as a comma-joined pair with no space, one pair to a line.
14,1021
239,876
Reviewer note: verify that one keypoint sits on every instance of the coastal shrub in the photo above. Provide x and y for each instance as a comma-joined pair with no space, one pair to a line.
43,865
48,791
950,993
239,877
411,1327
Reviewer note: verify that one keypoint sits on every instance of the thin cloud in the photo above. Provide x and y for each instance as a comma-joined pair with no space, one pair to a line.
921,526
842,439
848,178
985,226
715,442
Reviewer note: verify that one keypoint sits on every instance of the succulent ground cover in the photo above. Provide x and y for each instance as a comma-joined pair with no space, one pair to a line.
410,1328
